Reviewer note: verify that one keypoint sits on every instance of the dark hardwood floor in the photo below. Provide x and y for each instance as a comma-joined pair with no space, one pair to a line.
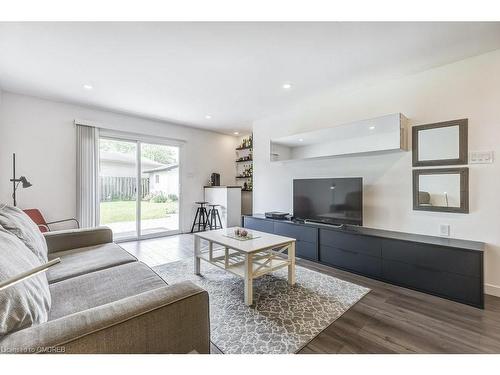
389,319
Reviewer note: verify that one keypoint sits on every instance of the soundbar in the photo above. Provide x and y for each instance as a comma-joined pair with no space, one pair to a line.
277,215
338,226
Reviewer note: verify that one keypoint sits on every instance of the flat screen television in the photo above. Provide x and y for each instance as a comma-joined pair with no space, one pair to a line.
329,200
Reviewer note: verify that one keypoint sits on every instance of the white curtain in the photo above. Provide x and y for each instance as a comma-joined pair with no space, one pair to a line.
87,171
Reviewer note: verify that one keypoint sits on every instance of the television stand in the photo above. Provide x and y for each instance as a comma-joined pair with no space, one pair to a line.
445,267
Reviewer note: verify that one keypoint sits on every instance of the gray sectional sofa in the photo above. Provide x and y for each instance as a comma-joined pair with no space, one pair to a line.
105,301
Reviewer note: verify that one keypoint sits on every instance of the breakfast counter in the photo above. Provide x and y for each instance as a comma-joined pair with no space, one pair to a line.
229,199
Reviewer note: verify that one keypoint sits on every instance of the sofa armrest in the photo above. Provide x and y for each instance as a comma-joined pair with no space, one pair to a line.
170,319
74,238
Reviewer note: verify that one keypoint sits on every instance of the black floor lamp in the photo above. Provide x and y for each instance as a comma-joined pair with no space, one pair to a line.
16,181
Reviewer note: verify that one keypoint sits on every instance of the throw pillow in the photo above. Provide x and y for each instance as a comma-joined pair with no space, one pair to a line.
27,302
18,223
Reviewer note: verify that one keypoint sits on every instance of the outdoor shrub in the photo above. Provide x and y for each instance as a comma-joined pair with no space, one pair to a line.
173,197
159,198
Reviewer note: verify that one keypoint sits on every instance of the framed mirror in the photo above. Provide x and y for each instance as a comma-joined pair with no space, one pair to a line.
441,190
442,143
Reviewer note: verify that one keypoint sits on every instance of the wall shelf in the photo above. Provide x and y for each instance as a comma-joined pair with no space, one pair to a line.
382,134
244,176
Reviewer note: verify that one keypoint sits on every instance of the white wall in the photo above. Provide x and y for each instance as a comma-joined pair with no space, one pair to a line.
466,89
42,134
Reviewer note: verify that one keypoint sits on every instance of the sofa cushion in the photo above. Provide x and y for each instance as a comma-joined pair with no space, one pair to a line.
27,302
80,261
101,287
20,224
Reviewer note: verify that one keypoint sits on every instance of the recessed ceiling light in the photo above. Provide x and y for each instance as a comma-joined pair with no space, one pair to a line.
301,139
208,117
236,133
88,86
287,86
371,127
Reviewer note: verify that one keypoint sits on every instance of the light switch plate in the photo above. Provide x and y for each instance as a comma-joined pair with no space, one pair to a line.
444,230
481,157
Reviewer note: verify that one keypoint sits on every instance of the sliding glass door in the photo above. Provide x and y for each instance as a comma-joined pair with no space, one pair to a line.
118,187
160,189
139,188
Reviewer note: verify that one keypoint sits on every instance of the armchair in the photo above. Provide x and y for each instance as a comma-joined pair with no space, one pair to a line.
43,225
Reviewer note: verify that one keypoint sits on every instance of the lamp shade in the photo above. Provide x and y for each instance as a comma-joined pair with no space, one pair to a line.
25,182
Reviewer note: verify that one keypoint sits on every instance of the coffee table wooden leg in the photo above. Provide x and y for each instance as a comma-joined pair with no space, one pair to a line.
226,257
291,265
248,280
197,255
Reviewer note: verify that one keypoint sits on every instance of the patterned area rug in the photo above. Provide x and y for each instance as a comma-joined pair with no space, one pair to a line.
283,318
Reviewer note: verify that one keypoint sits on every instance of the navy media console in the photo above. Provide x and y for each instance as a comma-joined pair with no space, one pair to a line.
448,268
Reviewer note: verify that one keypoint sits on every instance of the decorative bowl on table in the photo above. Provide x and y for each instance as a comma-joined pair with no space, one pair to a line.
240,234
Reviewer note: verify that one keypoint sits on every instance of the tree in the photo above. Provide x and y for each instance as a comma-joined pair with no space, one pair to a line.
160,153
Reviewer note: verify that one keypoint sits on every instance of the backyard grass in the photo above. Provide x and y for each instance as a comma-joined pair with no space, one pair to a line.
118,211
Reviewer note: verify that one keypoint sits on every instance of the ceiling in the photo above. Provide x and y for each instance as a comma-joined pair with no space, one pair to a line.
232,72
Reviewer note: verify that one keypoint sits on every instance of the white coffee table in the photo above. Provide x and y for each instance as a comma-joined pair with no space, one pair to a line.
248,259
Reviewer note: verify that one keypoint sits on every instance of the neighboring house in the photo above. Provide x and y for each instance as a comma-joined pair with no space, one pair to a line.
162,178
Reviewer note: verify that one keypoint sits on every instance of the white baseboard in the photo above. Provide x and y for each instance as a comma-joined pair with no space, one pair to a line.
493,290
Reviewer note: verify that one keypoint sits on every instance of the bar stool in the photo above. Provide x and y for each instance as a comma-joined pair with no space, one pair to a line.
213,215
202,216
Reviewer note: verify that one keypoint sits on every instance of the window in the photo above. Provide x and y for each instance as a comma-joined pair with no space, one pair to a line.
157,179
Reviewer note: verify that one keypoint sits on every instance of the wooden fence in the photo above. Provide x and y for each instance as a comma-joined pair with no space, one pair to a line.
121,188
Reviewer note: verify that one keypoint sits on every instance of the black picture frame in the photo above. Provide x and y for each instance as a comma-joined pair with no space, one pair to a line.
462,139
464,189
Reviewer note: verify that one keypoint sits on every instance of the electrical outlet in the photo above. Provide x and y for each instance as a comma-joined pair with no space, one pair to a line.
444,230
481,157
